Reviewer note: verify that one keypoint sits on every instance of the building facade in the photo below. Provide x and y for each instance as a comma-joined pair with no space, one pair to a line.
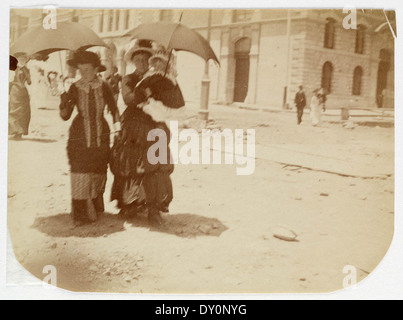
264,54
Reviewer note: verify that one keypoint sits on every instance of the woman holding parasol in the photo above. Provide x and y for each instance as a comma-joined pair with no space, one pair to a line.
137,181
89,140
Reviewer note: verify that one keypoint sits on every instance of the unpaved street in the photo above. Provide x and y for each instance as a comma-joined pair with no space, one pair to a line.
332,186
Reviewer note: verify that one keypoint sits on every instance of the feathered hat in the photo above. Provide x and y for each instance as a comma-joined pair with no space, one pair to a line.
168,56
140,46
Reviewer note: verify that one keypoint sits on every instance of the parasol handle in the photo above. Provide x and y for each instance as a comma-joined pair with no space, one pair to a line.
169,59
170,53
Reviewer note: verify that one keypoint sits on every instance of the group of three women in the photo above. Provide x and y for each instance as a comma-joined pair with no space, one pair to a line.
139,185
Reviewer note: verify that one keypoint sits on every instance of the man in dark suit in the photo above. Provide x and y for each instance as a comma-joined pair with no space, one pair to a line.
300,102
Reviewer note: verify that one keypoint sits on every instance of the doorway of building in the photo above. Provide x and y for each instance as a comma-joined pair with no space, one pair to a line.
383,70
327,77
242,67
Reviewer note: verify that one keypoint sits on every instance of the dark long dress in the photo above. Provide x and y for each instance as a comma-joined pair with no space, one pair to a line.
19,104
89,145
137,181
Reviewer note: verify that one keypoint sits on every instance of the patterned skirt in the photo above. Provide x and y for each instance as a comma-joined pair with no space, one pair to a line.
88,171
87,190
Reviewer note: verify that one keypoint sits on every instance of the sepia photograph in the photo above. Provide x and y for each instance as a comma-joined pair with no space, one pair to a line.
200,151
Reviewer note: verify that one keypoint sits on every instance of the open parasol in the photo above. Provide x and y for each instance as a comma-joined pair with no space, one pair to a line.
175,36
67,36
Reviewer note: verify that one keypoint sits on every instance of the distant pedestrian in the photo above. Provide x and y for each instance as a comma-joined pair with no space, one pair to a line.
300,102
53,83
41,90
318,106
114,79
19,101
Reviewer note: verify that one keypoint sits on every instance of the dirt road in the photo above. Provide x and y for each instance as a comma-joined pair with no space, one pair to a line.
333,187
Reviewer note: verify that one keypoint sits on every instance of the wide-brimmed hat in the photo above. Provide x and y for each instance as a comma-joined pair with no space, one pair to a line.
140,46
84,57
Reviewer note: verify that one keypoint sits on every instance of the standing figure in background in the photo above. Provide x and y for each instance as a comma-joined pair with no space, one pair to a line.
19,101
300,102
318,106
40,90
114,80
53,83
89,139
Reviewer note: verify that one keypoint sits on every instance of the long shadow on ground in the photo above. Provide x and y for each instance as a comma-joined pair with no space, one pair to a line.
62,226
181,225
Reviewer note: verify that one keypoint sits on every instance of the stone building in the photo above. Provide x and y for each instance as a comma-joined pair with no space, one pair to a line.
264,54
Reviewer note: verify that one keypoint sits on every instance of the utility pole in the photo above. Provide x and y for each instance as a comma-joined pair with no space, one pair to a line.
288,67
205,88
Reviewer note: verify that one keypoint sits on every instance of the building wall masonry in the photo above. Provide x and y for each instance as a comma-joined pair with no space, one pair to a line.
287,50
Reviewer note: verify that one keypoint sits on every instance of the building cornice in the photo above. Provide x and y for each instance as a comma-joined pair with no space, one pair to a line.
247,23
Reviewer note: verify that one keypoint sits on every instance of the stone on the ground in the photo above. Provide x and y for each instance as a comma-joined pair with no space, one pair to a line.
285,234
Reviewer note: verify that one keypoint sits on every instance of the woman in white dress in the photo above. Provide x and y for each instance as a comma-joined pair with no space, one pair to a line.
317,106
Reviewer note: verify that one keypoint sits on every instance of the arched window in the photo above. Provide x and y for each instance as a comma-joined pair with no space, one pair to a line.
357,81
330,31
385,60
360,39
327,75
242,69
243,46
